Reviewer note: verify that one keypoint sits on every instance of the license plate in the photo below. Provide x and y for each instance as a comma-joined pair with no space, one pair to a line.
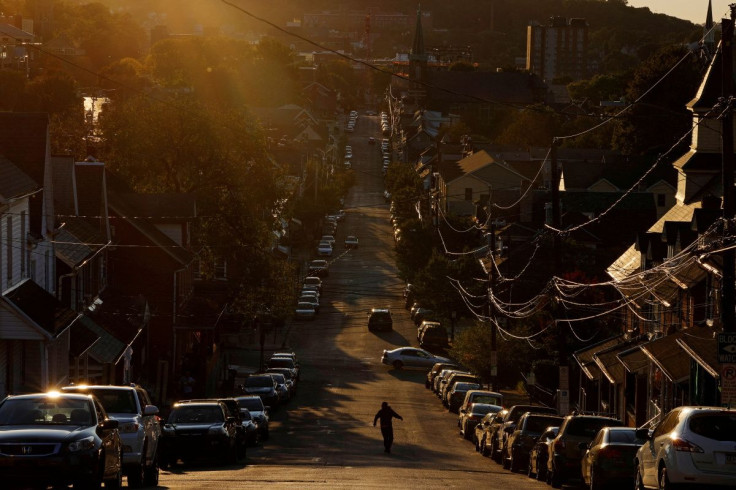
730,458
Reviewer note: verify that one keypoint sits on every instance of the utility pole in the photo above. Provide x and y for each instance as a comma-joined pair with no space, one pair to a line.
491,309
563,385
728,289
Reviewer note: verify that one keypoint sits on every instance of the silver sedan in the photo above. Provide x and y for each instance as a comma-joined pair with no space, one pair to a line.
410,357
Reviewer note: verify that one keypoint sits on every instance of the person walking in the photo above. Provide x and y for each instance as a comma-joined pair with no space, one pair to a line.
386,414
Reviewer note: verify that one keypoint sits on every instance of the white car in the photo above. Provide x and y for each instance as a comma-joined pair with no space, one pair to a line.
305,311
351,241
324,249
694,446
328,238
410,357
313,280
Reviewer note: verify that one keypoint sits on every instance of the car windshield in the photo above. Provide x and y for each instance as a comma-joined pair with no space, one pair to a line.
245,415
585,427
115,401
279,378
196,414
259,382
624,437
254,404
716,426
46,411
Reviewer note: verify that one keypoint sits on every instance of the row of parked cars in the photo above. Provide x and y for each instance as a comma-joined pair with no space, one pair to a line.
691,446
223,428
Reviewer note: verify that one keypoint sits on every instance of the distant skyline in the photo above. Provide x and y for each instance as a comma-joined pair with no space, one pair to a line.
692,10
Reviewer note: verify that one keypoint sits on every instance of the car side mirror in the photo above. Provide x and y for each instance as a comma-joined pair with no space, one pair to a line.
109,424
642,434
150,410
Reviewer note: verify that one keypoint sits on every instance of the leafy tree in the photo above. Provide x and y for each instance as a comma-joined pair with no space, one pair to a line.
660,118
535,126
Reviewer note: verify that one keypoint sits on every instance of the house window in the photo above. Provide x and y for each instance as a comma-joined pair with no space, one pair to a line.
468,193
661,200
220,269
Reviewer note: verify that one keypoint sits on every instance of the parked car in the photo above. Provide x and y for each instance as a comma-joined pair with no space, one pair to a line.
305,311
469,418
450,383
258,411
509,425
371,140
380,319
482,396
281,386
242,425
58,439
441,380
457,394
576,432
263,386
422,314
433,334
410,357
436,369
139,428
324,249
314,281
285,361
351,241
540,452
199,430
609,458
319,268
691,445
328,238
289,376
312,300
531,425
487,432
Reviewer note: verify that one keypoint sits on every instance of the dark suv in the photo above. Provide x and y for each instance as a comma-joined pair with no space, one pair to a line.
498,444
432,334
531,425
576,432
380,319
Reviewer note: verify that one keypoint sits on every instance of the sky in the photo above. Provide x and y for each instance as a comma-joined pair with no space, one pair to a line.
692,10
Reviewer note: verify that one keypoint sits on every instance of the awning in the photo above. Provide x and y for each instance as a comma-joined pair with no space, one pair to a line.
633,359
584,357
702,350
609,364
108,348
666,353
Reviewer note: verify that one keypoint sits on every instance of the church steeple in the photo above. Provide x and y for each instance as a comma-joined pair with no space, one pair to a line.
709,35
418,56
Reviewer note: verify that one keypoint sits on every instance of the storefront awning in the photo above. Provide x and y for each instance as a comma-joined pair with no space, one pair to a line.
633,359
609,364
584,357
702,349
666,353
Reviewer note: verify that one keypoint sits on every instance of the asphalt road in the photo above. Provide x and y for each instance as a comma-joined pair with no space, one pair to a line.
324,438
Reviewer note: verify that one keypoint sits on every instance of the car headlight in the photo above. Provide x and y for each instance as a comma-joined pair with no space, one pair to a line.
217,430
82,444
129,427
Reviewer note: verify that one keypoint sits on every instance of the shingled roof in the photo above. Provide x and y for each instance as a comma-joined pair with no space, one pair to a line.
14,182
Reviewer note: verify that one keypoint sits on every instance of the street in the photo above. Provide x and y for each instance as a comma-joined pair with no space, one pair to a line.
325,437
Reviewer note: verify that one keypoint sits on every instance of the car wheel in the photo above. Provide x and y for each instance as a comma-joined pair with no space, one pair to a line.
398,364
639,481
150,474
541,472
136,476
494,451
664,481
117,480
505,462
553,478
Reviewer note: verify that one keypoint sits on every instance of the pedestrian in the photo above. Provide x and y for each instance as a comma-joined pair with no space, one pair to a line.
386,414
